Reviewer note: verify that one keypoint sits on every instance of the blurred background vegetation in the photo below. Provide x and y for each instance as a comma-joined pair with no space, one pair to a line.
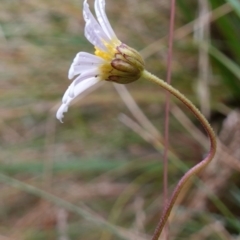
106,159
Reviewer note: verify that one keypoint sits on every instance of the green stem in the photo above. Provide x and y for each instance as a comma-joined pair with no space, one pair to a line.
194,170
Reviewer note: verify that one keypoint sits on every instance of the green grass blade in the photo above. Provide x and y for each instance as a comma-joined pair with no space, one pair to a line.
227,62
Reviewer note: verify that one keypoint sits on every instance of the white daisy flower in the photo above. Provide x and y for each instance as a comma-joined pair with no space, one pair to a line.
113,60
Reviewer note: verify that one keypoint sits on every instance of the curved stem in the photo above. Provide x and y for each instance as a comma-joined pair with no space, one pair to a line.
194,170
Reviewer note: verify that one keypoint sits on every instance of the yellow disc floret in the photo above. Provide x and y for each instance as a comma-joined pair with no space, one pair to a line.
111,50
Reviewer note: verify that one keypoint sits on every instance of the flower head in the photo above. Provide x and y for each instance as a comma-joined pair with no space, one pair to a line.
113,61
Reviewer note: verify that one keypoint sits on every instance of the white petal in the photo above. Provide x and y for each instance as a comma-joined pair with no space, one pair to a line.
77,90
68,93
85,68
71,72
84,76
87,72
86,57
88,17
81,87
93,31
84,62
102,18
93,38
63,108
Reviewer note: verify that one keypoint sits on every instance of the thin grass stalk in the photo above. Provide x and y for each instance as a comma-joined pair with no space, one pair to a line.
167,107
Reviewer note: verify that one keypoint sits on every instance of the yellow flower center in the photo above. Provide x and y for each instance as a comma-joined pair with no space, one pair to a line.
111,50
108,55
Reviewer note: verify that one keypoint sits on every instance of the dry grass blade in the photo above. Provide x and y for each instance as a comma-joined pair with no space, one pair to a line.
202,34
189,126
136,111
140,214
62,224
139,130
